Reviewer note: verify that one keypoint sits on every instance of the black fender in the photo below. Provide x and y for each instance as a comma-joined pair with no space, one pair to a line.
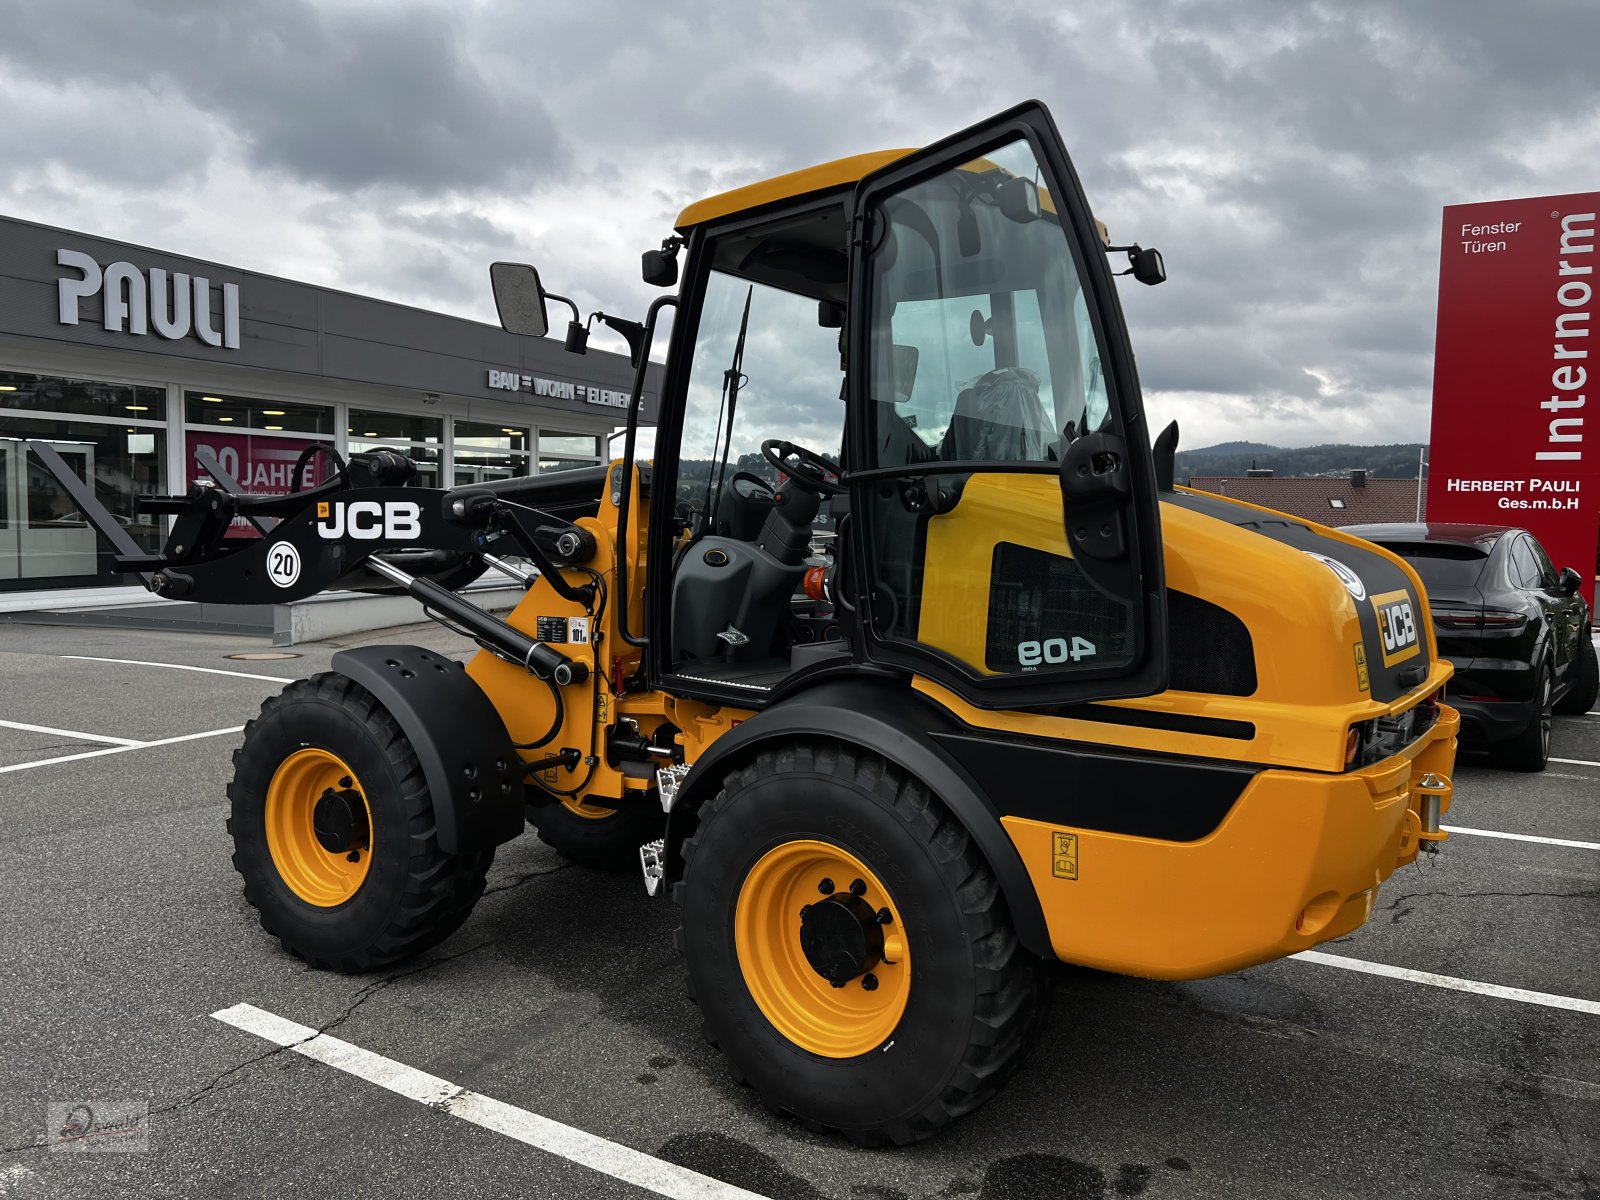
473,771
890,719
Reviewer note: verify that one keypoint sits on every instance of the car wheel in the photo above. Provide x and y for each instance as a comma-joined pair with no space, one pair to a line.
1585,687
1530,749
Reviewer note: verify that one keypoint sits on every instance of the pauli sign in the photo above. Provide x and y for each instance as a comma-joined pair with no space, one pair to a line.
1516,377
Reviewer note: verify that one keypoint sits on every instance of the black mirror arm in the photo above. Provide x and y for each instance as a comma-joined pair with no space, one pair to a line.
631,331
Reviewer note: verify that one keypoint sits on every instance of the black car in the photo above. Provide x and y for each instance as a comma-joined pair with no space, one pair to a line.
1518,632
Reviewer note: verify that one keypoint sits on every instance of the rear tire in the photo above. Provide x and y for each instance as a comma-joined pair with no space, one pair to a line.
1585,689
1530,749
596,835
961,998
409,896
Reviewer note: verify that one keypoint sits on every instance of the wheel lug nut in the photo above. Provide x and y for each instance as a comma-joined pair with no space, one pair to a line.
804,909
885,917
354,856
347,782
838,983
857,887
826,887
869,981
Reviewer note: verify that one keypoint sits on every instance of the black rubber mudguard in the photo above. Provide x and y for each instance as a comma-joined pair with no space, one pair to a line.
474,773
890,719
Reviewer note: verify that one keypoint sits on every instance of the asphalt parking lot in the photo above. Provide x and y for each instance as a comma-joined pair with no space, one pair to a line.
124,930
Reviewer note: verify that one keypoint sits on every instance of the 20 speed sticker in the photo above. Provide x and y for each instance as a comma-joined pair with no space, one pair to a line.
283,564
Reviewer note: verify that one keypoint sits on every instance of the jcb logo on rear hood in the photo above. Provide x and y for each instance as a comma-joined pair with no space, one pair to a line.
1397,626
370,521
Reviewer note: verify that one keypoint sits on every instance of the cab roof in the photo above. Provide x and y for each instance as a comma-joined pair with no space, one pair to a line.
821,178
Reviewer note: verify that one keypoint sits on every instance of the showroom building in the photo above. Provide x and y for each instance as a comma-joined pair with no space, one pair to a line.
129,360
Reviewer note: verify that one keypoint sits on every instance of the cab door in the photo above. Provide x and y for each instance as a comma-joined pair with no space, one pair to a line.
1004,528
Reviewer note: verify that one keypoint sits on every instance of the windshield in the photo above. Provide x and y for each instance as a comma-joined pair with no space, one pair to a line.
983,346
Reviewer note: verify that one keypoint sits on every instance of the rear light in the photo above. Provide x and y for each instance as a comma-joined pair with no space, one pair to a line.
1352,746
1498,619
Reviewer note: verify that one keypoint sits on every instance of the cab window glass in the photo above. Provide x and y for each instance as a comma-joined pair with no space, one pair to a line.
786,386
983,349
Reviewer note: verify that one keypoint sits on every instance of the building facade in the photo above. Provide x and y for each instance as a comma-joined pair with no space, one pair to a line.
129,360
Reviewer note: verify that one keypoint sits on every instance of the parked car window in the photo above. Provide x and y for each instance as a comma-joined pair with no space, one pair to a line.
1523,566
1548,578
1445,567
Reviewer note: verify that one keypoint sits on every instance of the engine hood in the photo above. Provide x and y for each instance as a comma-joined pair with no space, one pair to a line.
1394,620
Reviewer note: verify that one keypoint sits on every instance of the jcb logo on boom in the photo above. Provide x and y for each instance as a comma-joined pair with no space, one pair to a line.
1397,626
370,521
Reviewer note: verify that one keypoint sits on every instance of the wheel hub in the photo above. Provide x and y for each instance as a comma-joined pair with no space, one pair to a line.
841,937
339,820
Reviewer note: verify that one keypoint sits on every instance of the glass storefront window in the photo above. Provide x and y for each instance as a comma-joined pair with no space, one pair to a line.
547,465
485,451
479,467
82,397
579,444
395,427
483,435
44,540
241,412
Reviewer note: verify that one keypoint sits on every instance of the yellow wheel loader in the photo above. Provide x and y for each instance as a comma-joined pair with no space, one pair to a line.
901,665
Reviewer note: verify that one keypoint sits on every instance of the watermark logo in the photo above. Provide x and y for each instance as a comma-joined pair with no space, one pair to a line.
98,1126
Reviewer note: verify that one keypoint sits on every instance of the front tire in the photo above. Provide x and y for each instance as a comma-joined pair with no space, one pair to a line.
334,834
1585,689
850,948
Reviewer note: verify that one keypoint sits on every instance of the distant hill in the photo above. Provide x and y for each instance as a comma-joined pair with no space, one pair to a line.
1235,458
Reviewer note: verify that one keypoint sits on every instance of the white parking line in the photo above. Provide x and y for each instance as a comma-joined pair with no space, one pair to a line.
1576,762
134,662
587,1149
1523,837
70,733
1499,991
187,737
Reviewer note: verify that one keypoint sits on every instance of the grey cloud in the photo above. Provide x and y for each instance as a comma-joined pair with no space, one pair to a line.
346,97
1292,161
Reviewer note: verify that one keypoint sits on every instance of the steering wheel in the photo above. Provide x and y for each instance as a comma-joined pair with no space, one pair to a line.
814,480
760,489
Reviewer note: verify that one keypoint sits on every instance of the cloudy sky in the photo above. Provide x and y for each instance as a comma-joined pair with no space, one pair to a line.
1289,159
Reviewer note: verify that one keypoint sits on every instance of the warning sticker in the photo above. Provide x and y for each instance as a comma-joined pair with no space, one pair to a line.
1363,680
550,629
578,630
1065,864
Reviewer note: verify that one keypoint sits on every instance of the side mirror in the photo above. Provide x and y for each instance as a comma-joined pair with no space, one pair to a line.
659,268
1571,581
519,299
1148,266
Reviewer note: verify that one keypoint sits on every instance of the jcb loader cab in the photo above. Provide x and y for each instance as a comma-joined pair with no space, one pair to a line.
901,664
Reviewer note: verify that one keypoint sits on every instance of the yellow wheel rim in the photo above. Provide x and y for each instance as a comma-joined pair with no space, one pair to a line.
589,812
807,1008
317,874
